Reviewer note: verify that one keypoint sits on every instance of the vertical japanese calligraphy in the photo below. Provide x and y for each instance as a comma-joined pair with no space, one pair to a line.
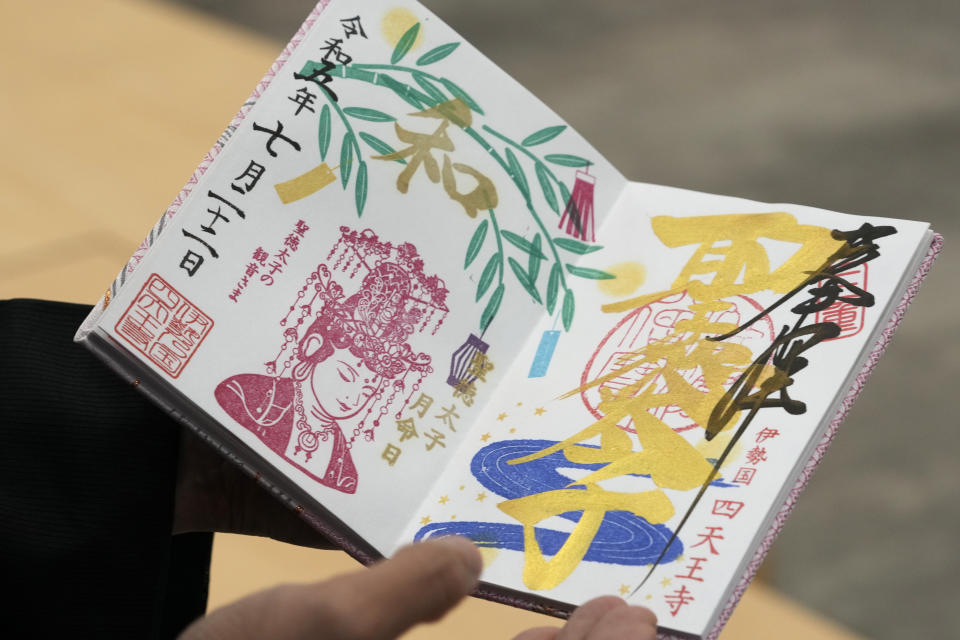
243,184
447,418
266,266
691,374
773,370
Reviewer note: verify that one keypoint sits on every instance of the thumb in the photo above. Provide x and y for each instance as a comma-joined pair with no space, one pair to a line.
419,584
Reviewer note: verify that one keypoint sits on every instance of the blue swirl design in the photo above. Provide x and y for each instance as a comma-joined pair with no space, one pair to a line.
623,538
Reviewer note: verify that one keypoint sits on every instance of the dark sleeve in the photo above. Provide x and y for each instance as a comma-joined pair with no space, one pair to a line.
87,472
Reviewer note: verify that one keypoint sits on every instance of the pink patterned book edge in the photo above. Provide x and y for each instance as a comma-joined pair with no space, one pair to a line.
828,436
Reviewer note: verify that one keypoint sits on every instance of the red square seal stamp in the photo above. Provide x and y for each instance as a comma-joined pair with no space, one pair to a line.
163,325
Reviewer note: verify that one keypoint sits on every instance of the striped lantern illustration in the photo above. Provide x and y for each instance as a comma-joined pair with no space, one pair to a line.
461,360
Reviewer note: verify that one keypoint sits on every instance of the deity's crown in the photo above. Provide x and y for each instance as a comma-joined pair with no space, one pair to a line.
395,299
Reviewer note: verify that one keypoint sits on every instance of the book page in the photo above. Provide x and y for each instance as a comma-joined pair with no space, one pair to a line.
392,214
587,472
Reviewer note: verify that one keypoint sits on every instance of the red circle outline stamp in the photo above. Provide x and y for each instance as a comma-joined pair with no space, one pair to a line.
848,317
656,322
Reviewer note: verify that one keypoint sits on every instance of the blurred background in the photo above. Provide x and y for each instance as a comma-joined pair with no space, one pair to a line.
851,106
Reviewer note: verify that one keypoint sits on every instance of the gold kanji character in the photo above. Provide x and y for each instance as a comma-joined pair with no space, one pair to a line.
730,259
466,391
407,429
480,366
423,404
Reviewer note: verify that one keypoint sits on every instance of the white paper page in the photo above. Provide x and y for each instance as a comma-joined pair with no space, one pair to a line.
480,494
315,289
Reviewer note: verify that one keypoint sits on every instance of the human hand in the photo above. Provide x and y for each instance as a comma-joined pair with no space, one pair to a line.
603,618
420,584
213,494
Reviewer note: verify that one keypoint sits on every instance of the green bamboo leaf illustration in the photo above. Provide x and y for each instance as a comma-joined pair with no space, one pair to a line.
379,145
436,54
575,246
591,274
567,160
489,271
405,43
568,309
544,135
533,262
372,115
407,93
544,178
428,86
564,195
517,174
418,96
476,242
360,188
323,132
493,305
521,243
553,286
524,278
346,159
457,92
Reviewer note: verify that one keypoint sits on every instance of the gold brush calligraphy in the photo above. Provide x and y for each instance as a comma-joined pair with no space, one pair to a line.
730,251
419,152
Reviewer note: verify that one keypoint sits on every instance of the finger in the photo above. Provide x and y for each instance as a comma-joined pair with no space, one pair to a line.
626,623
587,615
419,584
539,633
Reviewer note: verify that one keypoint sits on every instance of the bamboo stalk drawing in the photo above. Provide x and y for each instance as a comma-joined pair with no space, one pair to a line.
432,90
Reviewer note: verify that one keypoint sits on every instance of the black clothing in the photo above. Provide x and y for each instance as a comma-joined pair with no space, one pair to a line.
87,473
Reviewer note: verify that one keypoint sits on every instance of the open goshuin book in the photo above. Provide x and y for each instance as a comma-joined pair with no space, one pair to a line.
412,301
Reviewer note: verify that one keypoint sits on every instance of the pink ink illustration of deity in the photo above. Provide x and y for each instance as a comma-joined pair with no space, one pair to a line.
345,359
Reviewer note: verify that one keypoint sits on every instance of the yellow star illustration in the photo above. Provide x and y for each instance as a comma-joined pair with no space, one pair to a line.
665,582
481,496
485,437
443,500
453,517
519,404
425,520
512,430
539,411
462,487
624,589
502,417
648,596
